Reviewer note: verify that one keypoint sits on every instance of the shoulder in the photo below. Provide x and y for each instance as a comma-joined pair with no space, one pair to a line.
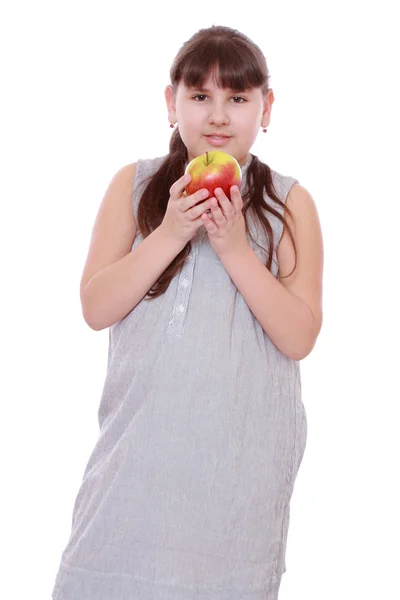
288,188
141,165
302,218
148,166
122,181
283,184
301,204
127,171
296,197
132,174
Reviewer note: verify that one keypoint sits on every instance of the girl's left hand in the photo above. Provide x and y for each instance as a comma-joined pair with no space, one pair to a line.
225,224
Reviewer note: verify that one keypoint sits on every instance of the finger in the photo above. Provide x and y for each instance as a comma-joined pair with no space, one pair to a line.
198,210
194,199
208,222
236,199
176,190
216,211
226,204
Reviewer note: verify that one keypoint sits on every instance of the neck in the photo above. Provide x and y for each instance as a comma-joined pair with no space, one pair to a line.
244,160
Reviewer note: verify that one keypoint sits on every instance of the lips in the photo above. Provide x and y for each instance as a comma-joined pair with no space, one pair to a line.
218,140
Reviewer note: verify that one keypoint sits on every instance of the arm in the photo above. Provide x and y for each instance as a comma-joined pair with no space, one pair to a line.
115,277
289,310
116,289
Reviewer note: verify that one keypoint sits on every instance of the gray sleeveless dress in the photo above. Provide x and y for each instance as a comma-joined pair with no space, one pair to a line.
186,495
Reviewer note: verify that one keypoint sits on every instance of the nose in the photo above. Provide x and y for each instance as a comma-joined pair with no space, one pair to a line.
218,114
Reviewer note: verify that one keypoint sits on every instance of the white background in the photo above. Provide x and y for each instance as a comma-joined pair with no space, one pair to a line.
83,95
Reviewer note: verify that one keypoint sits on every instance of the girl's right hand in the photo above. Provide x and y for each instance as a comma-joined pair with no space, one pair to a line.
182,218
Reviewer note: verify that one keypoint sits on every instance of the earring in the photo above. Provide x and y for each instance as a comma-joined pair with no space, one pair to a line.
172,125
264,129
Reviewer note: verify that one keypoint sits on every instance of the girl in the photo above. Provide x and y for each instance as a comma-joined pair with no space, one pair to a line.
211,302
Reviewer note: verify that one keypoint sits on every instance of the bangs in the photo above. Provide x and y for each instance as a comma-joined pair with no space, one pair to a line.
233,66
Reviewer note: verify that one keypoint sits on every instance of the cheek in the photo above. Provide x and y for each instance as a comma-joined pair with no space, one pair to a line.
185,112
191,124
249,127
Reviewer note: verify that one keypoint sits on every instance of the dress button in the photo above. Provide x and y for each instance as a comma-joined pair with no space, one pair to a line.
185,282
180,308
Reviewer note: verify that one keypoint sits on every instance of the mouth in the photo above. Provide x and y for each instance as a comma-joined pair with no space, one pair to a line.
218,140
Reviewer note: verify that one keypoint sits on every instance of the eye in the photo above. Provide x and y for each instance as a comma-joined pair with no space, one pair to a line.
237,99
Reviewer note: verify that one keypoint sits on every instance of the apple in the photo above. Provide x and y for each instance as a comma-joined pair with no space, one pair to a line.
212,170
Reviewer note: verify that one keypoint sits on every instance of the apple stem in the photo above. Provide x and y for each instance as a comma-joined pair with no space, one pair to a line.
207,163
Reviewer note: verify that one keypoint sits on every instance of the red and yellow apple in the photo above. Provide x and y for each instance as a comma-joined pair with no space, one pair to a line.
211,170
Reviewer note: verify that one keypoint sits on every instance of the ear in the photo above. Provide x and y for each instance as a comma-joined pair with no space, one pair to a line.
170,100
268,102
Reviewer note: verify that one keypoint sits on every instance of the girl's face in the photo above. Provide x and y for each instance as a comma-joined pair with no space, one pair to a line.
211,110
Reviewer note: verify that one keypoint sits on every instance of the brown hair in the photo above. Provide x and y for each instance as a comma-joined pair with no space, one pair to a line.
241,65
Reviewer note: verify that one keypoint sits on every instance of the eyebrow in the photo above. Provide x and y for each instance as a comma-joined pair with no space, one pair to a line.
205,90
